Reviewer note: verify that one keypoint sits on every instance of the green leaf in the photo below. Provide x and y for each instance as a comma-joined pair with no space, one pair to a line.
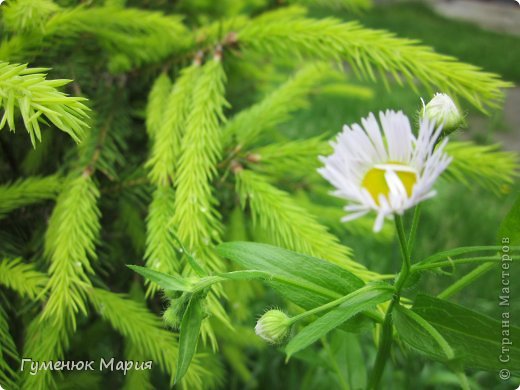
350,359
421,335
165,281
318,281
510,226
189,335
356,302
476,339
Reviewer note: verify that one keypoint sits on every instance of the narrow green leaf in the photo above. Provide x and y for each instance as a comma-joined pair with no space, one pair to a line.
356,302
476,339
165,281
189,335
349,358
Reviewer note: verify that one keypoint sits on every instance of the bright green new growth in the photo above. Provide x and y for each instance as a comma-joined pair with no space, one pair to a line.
27,15
171,108
131,37
145,332
27,91
369,52
69,245
196,219
289,225
248,125
161,246
351,5
26,192
22,278
295,157
156,104
7,348
485,165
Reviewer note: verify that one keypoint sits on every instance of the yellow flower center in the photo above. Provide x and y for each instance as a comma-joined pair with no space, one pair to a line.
375,182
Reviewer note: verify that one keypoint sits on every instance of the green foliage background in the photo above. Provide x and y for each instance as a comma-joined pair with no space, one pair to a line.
203,120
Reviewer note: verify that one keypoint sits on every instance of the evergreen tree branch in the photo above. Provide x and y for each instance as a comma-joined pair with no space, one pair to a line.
170,128
157,103
161,247
7,348
27,15
289,225
485,165
371,51
69,244
45,340
22,278
355,6
28,191
37,99
276,107
136,379
144,330
298,157
132,37
196,219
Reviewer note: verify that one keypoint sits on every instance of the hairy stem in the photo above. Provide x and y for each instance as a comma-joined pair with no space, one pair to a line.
386,334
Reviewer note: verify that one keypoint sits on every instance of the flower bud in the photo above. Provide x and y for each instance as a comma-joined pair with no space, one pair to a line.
443,111
273,326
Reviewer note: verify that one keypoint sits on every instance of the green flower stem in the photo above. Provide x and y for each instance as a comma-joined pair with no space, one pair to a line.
236,275
466,280
386,334
331,304
468,260
413,230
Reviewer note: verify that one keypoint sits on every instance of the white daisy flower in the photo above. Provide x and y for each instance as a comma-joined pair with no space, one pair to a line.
388,170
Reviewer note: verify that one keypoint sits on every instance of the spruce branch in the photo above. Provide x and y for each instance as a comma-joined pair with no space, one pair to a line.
289,225
7,349
169,129
297,157
22,278
156,103
161,247
28,191
485,165
45,340
370,52
355,6
146,333
136,379
131,37
196,219
276,107
69,246
27,15
37,99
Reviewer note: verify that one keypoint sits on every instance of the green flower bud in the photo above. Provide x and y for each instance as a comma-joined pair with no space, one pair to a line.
442,110
273,326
